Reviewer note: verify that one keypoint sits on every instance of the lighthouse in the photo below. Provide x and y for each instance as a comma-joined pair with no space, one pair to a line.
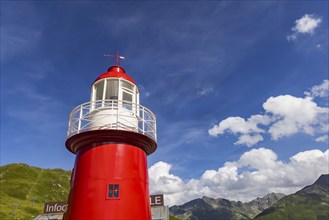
111,136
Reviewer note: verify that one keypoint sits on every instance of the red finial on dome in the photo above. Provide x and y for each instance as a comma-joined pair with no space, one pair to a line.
115,71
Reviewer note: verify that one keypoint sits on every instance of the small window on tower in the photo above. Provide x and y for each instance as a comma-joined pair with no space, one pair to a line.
113,191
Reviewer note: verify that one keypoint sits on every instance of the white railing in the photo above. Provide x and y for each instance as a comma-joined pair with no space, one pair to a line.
112,114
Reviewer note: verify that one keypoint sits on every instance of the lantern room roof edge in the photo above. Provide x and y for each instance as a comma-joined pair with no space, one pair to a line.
117,72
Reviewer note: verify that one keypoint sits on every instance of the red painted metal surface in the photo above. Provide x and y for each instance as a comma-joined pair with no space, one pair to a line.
115,71
100,137
98,166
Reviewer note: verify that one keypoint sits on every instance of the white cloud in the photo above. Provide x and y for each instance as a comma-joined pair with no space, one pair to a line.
162,181
321,90
204,91
259,159
285,115
323,138
234,125
249,140
248,130
305,25
294,115
256,173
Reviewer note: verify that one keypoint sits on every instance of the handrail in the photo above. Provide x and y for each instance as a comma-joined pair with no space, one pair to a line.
112,114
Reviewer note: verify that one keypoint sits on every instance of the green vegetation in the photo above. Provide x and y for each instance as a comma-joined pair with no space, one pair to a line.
297,207
171,217
310,203
25,189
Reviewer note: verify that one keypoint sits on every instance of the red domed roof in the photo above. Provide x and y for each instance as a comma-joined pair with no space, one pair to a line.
115,71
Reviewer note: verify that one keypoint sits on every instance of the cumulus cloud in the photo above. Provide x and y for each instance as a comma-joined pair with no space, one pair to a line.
285,115
305,25
321,90
249,140
256,173
323,138
162,181
247,130
294,115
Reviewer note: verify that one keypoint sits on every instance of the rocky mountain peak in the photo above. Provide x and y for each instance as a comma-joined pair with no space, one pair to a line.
323,181
266,201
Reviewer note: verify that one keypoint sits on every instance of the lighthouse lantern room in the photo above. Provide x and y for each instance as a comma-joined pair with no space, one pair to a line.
111,136
107,111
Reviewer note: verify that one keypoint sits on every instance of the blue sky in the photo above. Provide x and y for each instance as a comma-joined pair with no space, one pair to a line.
226,80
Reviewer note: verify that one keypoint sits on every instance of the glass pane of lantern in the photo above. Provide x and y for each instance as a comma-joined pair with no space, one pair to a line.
112,89
99,90
127,99
127,85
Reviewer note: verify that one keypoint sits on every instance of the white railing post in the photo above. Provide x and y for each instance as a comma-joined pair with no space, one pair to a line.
143,120
154,131
117,116
80,116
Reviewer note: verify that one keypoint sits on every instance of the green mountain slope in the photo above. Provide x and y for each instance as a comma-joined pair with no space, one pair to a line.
310,203
208,208
24,190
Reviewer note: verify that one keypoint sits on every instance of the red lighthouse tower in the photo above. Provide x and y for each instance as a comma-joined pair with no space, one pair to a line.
111,136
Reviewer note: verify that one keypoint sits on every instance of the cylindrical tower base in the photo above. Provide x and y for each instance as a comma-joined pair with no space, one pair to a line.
109,181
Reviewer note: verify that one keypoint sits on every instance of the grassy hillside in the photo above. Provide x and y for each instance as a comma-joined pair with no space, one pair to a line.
171,217
310,203
25,189
296,207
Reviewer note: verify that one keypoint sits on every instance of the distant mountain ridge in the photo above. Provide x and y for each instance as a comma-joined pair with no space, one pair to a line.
208,208
311,202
